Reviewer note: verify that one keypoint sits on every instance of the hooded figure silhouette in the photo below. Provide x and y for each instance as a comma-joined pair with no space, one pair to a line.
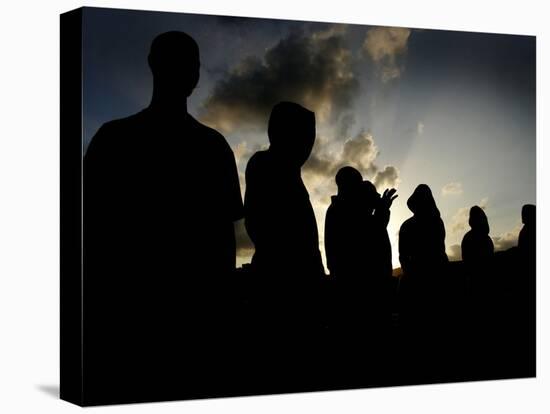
287,271
278,214
528,233
356,240
422,292
422,237
477,255
477,246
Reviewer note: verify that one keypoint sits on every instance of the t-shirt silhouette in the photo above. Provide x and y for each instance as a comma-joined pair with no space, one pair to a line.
161,193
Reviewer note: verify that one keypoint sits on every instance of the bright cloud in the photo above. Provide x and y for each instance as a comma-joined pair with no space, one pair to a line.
454,188
508,239
384,45
420,128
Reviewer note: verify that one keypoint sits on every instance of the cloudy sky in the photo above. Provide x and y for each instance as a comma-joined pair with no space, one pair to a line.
454,110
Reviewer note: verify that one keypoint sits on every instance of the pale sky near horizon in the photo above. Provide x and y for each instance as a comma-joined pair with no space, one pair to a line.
454,110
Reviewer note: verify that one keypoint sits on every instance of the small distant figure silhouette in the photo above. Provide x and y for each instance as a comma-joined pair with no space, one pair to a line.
524,284
528,233
477,255
477,246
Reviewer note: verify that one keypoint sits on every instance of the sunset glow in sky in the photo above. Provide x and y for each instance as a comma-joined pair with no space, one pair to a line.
454,110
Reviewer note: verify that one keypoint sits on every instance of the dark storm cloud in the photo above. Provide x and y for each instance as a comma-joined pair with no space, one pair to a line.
311,69
359,152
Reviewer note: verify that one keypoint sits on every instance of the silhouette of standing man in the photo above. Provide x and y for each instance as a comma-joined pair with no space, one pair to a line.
161,193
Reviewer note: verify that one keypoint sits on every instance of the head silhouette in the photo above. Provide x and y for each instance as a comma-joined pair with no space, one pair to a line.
528,214
478,220
291,132
175,63
348,180
422,202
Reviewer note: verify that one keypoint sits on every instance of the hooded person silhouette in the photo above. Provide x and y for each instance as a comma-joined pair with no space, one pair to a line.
477,246
422,237
477,256
356,238
477,252
528,233
161,193
278,214
525,281
359,259
286,265
423,260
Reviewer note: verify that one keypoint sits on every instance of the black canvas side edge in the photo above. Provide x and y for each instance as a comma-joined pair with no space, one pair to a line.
71,341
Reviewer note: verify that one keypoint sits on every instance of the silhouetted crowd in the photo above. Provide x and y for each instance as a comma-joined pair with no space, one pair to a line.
164,304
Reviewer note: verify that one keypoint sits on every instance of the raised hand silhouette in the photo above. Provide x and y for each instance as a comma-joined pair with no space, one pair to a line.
387,198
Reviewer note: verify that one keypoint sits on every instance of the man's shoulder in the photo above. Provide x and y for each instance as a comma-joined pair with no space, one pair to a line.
209,133
119,133
121,124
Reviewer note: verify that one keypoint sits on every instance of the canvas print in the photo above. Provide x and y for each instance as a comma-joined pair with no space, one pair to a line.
256,206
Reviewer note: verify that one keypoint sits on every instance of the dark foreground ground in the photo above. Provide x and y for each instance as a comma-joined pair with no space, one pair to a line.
260,336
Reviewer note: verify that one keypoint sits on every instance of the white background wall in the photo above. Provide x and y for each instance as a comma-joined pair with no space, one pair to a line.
29,206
